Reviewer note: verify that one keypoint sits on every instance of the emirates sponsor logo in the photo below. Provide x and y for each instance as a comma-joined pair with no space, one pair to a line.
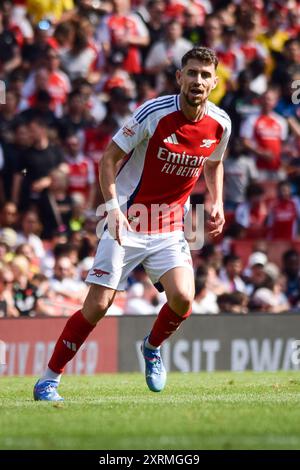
183,158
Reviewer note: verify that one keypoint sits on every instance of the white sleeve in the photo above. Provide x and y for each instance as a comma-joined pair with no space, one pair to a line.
132,132
247,128
218,153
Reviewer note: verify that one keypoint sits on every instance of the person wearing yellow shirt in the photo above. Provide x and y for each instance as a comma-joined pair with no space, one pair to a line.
273,39
53,10
224,83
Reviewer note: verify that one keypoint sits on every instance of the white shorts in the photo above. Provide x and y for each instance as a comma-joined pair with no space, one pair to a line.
158,253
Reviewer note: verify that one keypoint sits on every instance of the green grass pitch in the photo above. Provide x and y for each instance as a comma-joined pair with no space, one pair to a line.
221,410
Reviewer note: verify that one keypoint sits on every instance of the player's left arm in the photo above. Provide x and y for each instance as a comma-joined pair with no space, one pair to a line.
214,177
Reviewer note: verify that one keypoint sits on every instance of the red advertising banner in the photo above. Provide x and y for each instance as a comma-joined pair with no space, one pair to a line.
29,344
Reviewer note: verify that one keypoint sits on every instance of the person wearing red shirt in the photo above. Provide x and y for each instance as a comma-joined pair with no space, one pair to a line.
284,214
252,214
264,134
81,171
126,31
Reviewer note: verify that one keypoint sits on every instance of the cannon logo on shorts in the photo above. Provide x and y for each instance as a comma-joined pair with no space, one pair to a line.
99,272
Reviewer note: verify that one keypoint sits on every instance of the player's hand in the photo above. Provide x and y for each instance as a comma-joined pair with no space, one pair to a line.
117,222
217,220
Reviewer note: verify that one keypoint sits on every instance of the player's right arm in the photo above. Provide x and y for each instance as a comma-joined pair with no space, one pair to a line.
131,134
115,217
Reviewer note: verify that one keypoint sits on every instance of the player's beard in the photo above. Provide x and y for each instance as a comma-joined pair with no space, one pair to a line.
197,101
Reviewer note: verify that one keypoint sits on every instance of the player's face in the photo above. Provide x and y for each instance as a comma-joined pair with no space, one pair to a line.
196,81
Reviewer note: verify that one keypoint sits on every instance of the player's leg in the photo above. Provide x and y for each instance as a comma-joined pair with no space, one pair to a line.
169,263
75,332
179,286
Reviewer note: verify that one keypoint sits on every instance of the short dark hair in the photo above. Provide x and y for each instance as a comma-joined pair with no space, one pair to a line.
203,54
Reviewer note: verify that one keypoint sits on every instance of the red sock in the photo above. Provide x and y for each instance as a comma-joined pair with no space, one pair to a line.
74,334
166,323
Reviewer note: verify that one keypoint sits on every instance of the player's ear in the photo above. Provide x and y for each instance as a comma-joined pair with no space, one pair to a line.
216,80
179,77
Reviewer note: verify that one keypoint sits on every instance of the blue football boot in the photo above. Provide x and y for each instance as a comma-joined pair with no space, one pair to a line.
155,372
46,391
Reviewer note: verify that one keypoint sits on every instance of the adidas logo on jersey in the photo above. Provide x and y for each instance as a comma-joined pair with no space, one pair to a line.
172,139
207,143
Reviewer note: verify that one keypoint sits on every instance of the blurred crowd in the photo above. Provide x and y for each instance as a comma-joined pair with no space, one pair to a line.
72,72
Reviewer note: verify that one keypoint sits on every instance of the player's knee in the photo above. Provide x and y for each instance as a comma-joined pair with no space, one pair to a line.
181,302
96,306
102,305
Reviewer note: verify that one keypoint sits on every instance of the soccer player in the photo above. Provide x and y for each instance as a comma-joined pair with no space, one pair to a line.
164,147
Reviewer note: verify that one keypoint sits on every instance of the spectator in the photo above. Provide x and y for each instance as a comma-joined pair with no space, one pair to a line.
33,175
12,154
240,171
55,206
81,176
142,299
252,214
30,231
60,10
76,117
7,307
230,274
192,30
79,61
58,83
126,31
234,302
8,113
167,51
291,269
155,24
241,103
264,135
8,215
284,214
119,107
205,300
229,54
10,57
94,107
212,31
24,293
64,282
